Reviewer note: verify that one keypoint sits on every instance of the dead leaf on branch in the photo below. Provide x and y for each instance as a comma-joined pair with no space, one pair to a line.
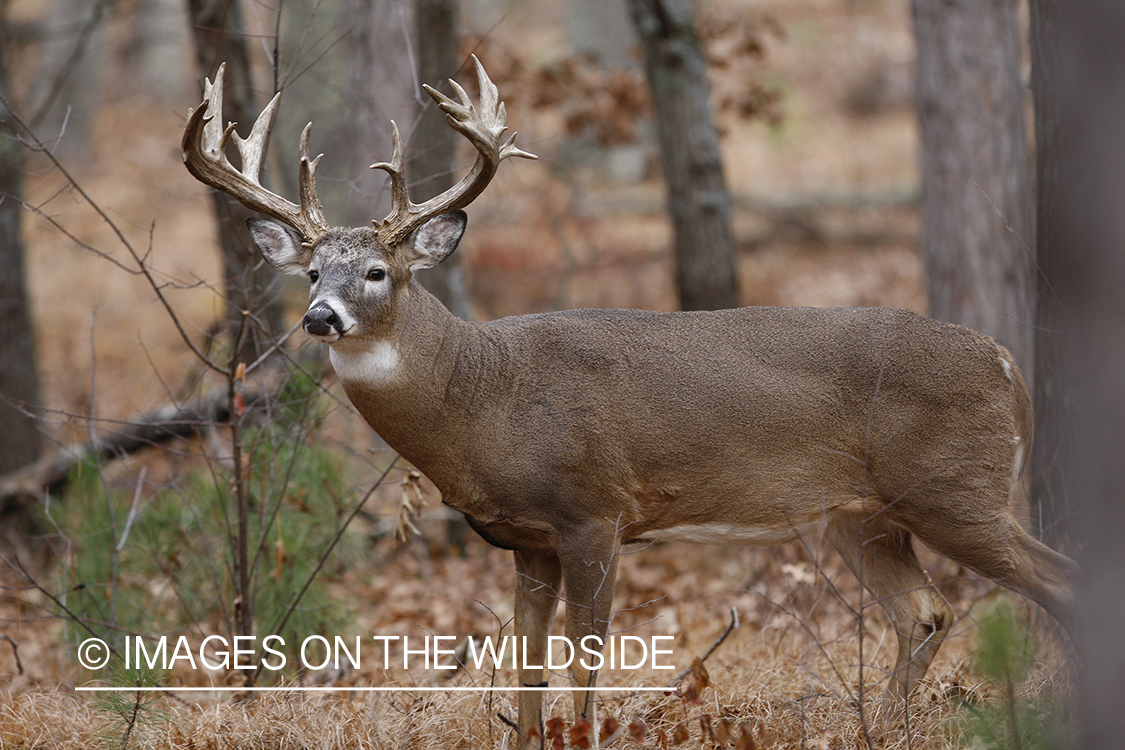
409,506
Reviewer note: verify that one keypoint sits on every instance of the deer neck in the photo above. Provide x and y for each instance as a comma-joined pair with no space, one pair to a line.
408,384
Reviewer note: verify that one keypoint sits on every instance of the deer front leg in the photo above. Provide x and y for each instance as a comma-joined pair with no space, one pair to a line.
589,570
537,596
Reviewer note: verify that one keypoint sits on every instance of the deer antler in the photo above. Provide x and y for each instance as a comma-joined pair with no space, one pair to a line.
204,148
484,129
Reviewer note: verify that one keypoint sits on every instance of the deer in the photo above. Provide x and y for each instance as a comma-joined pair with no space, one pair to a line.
565,436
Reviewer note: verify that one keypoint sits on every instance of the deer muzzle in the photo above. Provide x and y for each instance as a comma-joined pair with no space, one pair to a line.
321,321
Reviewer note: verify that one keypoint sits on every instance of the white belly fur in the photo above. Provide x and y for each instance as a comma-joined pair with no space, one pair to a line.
725,533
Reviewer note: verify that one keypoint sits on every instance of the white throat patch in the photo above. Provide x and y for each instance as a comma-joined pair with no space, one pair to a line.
374,365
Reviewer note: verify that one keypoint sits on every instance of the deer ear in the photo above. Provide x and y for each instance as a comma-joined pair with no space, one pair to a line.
282,247
435,240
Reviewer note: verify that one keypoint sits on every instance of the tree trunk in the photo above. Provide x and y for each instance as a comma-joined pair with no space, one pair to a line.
706,275
436,40
378,71
1085,169
1051,506
602,32
19,377
976,226
155,52
249,284
64,99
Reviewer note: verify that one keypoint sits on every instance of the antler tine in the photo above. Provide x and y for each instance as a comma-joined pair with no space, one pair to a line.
203,149
400,198
251,149
311,209
483,127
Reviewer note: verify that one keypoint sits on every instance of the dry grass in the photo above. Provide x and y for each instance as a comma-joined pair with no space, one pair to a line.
791,671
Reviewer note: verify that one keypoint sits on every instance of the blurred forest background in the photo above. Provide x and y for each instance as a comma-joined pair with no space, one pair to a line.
138,398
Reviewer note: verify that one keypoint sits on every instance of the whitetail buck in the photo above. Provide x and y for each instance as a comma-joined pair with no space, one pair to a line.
564,436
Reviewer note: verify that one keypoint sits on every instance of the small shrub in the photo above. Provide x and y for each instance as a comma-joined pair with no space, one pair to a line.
163,563
1005,655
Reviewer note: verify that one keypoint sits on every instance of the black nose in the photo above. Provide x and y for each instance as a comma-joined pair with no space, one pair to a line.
320,320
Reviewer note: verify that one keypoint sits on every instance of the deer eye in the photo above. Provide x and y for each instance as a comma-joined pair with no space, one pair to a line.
313,276
376,274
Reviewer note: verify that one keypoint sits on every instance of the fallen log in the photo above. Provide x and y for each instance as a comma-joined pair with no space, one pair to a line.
50,473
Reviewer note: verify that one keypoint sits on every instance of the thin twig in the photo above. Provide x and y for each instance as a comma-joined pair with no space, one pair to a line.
816,640
714,647
18,566
133,509
144,269
292,606
15,650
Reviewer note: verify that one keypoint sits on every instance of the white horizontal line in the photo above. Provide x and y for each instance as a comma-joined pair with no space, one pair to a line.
321,689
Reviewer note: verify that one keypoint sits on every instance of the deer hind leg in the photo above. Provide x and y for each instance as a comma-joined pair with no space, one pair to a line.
998,548
881,556
537,596
589,571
